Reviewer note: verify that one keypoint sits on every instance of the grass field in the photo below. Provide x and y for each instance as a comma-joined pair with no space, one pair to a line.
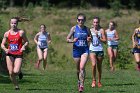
64,81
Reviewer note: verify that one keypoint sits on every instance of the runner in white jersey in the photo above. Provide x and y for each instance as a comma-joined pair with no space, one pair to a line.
96,50
42,39
112,42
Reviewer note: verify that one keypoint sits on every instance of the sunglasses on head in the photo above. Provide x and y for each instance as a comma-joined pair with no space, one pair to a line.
81,20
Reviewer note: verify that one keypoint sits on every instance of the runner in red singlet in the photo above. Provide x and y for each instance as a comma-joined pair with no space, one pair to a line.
14,51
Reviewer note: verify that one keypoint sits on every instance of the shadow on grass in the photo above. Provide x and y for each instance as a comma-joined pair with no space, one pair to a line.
119,91
123,84
43,89
90,78
33,89
108,78
32,75
4,78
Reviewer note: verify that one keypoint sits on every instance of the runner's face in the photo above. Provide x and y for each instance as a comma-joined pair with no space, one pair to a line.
95,22
111,26
42,28
13,23
80,20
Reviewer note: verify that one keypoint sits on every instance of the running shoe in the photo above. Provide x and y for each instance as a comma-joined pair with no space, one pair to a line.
17,88
36,66
112,69
93,83
81,88
20,75
99,84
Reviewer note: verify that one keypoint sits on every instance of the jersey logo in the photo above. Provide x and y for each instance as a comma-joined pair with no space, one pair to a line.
13,47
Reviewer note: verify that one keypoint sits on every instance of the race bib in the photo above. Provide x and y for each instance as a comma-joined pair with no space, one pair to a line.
43,43
138,35
95,41
82,42
13,47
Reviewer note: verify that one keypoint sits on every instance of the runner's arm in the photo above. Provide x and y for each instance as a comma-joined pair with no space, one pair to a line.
89,38
133,39
116,36
49,38
69,40
4,42
103,36
26,42
35,38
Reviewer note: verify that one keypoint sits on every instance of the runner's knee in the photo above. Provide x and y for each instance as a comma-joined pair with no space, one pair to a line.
11,73
16,71
40,59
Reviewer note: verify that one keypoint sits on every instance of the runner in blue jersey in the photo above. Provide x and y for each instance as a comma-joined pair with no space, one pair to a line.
136,46
42,39
112,42
81,36
96,50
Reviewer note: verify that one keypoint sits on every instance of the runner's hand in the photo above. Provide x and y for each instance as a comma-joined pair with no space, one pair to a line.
75,39
7,50
22,49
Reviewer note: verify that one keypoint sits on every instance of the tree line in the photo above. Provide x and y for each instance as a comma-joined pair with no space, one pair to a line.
72,3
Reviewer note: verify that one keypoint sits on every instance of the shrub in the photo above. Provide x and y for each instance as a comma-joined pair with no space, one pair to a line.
116,6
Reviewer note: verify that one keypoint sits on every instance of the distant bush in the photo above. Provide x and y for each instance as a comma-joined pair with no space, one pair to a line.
45,4
2,4
116,6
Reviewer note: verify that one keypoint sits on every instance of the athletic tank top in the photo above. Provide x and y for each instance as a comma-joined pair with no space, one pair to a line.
111,34
42,40
137,38
15,43
96,44
82,35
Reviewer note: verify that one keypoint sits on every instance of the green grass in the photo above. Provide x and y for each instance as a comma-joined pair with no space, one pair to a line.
64,81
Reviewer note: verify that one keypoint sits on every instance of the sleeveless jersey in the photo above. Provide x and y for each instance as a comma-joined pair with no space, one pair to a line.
15,44
42,40
82,35
111,34
137,37
96,44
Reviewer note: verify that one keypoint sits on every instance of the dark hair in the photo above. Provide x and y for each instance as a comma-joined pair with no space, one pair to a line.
43,25
113,23
20,19
15,18
81,14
